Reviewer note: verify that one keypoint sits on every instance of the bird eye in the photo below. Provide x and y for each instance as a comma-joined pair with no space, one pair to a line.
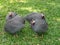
43,17
33,23
10,15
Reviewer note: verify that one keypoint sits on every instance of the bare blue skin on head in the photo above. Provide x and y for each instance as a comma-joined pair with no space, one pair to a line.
10,15
40,24
14,24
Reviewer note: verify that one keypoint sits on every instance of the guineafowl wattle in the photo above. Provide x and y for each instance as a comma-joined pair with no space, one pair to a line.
14,23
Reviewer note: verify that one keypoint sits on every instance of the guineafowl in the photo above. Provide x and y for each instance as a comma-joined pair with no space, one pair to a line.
38,22
14,23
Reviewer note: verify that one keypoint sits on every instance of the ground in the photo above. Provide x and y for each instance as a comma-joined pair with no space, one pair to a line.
51,9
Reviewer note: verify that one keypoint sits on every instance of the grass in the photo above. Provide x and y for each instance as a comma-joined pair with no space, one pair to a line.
51,9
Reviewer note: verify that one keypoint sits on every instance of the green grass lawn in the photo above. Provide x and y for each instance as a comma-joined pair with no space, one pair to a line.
51,9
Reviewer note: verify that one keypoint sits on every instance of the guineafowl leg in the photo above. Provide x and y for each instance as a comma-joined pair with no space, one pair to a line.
42,36
15,35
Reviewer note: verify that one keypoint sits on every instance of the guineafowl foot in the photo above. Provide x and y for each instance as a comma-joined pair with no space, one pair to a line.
42,36
15,35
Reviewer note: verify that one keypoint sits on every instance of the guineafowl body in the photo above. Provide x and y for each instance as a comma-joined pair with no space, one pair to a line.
38,22
14,24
